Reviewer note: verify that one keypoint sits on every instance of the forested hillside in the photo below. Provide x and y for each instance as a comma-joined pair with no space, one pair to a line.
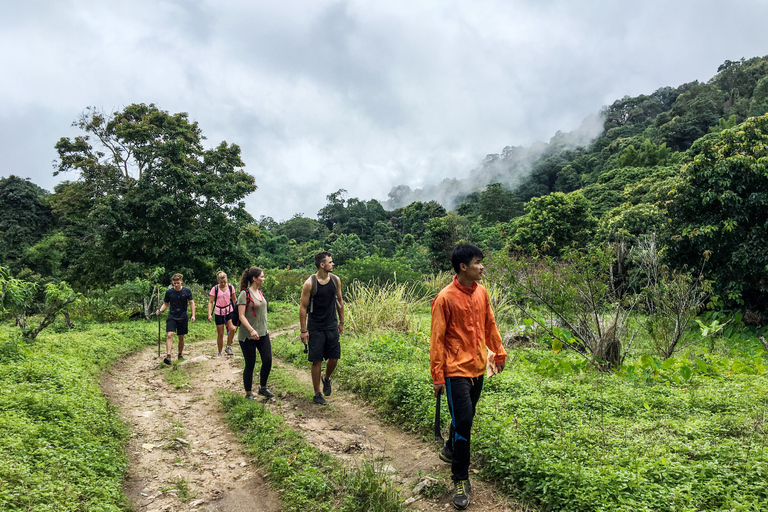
685,164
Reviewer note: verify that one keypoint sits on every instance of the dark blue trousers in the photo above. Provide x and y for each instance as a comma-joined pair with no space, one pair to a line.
463,394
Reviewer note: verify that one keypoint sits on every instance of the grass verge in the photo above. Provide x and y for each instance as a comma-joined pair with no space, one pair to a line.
62,444
308,480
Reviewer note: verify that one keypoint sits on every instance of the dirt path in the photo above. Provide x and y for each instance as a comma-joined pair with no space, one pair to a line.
184,458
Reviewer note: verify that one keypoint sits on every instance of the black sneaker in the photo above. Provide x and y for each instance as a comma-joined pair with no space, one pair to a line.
319,399
249,396
327,387
446,454
263,391
167,360
461,494
181,357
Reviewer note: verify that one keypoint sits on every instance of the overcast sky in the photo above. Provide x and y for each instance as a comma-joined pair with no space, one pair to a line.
361,95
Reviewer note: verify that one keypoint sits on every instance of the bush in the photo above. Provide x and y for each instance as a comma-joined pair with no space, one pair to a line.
283,284
376,268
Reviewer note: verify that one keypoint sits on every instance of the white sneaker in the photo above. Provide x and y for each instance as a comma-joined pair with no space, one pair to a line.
218,355
228,350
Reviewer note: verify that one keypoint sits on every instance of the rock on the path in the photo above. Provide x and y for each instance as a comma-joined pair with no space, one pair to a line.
425,482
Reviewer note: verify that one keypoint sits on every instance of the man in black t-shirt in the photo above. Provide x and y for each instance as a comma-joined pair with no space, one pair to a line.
176,299
320,301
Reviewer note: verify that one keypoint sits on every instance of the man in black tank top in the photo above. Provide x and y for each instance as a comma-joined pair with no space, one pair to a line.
320,300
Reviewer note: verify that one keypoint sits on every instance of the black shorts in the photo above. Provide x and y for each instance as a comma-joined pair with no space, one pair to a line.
324,345
180,327
223,319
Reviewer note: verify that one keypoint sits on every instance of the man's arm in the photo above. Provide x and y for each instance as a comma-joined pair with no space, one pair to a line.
303,304
163,307
437,347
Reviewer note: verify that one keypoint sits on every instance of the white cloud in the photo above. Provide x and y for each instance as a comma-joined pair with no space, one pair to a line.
323,95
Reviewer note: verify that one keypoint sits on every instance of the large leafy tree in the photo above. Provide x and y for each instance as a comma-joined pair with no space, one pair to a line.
557,220
720,212
150,194
25,219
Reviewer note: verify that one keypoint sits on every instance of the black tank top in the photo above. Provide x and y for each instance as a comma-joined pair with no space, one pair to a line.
323,315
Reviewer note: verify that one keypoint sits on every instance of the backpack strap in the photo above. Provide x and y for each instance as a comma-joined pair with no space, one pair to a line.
312,292
313,279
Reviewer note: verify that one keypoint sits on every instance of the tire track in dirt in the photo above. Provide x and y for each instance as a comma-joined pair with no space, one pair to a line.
220,477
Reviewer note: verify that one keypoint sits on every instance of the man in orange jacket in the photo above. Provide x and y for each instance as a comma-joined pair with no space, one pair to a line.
463,328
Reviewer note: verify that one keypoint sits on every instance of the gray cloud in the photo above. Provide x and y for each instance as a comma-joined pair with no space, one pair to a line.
323,95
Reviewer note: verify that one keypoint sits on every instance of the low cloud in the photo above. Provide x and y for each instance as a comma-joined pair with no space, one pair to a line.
323,95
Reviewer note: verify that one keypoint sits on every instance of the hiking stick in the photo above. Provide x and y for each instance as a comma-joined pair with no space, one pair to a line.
438,434
158,322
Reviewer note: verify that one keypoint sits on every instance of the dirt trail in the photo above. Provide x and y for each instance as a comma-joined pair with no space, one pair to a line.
179,435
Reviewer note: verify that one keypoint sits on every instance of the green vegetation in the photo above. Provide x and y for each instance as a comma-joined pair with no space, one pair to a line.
62,443
688,433
633,268
312,480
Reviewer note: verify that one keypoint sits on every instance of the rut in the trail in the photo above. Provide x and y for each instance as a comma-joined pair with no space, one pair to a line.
183,457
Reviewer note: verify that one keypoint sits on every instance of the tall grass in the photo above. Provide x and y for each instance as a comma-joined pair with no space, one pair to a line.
387,306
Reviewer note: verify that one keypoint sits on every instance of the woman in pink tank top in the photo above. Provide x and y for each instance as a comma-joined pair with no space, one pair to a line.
221,300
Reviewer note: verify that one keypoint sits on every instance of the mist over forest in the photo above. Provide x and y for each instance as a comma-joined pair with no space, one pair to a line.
145,196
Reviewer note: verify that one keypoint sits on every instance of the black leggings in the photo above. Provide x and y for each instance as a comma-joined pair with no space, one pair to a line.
249,348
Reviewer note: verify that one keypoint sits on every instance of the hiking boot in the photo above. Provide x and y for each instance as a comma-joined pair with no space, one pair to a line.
327,387
181,357
228,351
319,399
446,454
263,391
249,396
461,494
167,360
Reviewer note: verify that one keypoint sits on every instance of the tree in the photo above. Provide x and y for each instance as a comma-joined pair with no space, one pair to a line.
302,229
412,219
720,211
498,205
148,193
26,217
556,219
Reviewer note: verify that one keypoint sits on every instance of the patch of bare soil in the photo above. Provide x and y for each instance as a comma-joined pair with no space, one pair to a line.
208,457
182,455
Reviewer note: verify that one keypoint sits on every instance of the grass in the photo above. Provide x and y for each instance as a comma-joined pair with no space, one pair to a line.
386,306
309,480
576,441
62,445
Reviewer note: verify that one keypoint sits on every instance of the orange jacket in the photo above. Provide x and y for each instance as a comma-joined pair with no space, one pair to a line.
463,326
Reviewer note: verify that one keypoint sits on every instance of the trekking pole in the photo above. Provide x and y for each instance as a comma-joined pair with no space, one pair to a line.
158,322
438,433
